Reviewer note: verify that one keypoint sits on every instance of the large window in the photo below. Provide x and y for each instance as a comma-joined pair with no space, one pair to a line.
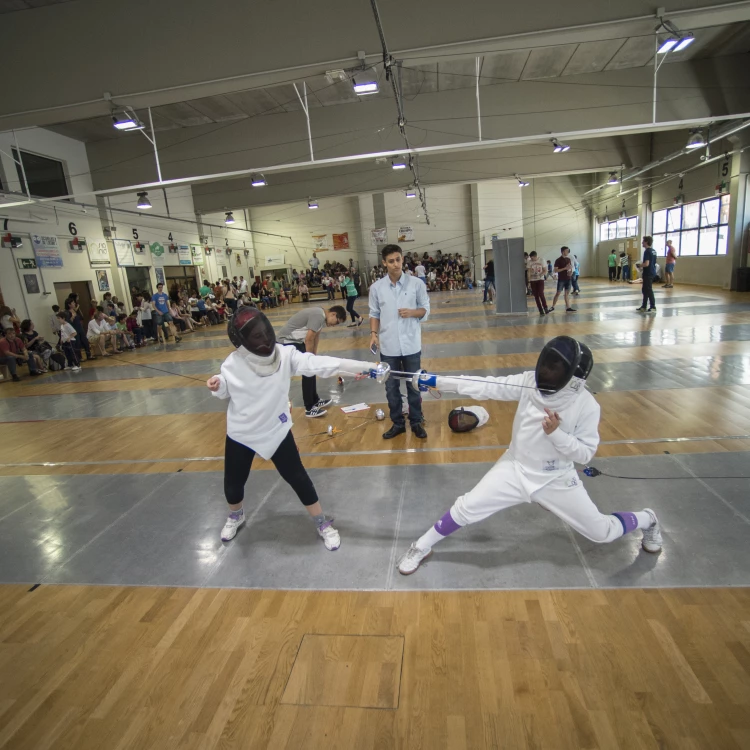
618,230
46,176
700,228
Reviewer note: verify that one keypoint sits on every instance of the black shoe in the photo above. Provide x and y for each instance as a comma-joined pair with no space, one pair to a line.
570,309
36,373
418,431
550,309
177,339
394,432
16,379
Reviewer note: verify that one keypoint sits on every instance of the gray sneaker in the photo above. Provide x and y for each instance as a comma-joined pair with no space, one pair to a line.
652,541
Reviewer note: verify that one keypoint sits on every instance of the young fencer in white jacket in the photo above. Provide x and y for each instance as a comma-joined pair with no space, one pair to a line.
556,424
256,380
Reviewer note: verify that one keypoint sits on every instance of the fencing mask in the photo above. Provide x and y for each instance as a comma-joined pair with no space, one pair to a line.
587,362
251,329
557,364
466,418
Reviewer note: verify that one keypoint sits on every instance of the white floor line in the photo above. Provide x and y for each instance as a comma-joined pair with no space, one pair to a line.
394,548
581,558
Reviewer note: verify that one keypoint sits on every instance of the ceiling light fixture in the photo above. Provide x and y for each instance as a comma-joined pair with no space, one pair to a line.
126,119
228,219
521,183
143,201
676,41
612,178
558,147
365,82
696,139
399,163
258,180
411,193
312,203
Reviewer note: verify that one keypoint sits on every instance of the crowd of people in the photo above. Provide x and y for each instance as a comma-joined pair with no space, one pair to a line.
440,273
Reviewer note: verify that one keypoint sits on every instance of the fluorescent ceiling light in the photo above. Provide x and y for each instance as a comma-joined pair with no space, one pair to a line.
365,82
229,218
684,42
126,120
399,163
667,46
258,180
559,147
410,193
522,183
312,203
612,178
143,201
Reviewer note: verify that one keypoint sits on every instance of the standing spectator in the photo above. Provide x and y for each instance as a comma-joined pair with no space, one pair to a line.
54,321
243,285
648,271
398,304
549,269
276,284
564,270
612,260
576,274
162,316
12,351
421,273
73,316
625,266
526,273
537,272
351,298
302,331
669,265
314,262
229,296
67,336
489,282
204,291
342,285
146,317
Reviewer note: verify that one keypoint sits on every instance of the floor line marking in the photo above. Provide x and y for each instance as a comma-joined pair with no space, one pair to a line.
394,546
581,558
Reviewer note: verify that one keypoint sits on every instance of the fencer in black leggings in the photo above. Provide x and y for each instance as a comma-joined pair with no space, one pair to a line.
238,459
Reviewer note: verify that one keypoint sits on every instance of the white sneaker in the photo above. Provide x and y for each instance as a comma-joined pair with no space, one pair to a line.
324,402
75,369
330,536
316,411
234,521
409,563
652,540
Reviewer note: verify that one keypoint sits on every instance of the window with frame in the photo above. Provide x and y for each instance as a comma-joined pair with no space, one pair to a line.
698,228
46,177
619,229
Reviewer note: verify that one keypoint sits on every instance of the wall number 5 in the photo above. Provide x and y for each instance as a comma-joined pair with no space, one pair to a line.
72,228
135,234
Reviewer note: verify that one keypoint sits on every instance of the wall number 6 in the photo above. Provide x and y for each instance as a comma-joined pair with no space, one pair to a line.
72,228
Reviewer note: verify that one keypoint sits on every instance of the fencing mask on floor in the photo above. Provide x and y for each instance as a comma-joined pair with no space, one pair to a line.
587,362
466,418
557,364
251,329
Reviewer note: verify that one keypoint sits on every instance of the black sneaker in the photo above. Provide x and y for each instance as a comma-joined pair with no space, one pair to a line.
570,309
640,309
323,402
394,431
315,412
651,310
550,309
177,339
16,379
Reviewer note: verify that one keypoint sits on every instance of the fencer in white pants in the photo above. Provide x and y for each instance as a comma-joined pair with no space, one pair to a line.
551,431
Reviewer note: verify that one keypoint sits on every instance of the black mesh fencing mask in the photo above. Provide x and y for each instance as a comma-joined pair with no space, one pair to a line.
587,362
557,364
250,328
467,418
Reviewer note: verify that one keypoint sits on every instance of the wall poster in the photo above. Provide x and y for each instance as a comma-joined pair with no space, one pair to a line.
183,253
320,242
46,251
102,281
32,283
341,241
379,236
406,234
124,254
159,275
196,251
98,253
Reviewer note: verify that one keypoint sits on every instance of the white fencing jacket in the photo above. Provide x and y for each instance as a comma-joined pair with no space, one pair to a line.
258,414
541,457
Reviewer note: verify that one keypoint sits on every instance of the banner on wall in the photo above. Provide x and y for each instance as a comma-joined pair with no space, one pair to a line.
46,251
124,253
406,234
320,242
98,253
275,260
196,252
341,241
379,236
142,254
159,275
183,253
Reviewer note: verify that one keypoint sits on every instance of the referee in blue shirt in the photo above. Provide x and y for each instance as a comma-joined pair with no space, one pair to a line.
398,304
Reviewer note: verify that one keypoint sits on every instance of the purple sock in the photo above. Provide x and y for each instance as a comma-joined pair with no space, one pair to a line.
446,525
628,520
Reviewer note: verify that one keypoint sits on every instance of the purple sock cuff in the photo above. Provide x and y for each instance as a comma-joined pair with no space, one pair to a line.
446,525
628,520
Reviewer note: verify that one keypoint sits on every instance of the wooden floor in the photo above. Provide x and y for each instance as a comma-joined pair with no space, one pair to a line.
116,668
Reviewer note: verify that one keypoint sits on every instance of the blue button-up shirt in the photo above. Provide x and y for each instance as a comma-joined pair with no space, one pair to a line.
399,337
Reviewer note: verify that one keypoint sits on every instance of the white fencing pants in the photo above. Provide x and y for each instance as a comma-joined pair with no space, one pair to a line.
504,485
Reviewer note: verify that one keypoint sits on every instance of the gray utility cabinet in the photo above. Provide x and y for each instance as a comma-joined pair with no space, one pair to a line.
510,276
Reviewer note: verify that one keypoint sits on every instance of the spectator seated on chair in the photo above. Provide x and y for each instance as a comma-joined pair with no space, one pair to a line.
13,353
35,344
304,292
136,331
122,331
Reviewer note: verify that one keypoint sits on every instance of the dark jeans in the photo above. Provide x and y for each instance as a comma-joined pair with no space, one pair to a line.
70,354
81,340
574,282
232,305
489,280
537,289
331,293
309,384
148,327
408,363
350,308
11,363
648,291
238,459
612,273
619,271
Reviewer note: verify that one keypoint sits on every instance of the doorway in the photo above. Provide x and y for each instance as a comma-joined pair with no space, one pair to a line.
139,280
83,289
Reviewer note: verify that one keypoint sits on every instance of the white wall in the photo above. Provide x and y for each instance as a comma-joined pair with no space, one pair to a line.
500,204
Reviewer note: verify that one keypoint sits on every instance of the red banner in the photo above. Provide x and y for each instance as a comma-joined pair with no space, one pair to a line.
341,241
